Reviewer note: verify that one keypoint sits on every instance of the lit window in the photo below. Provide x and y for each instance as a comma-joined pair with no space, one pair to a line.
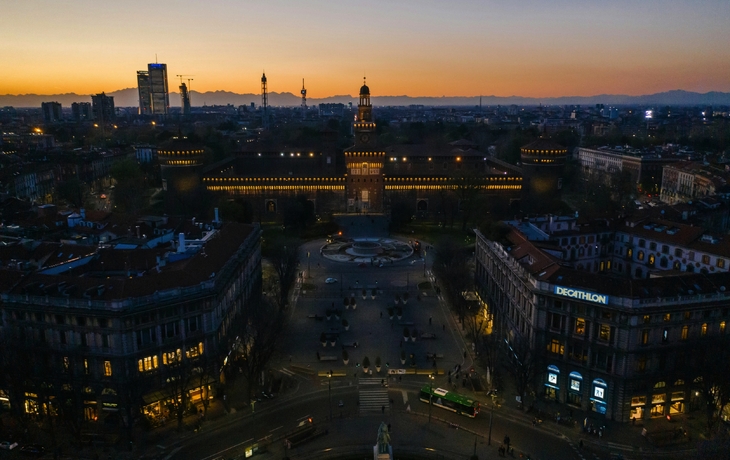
147,363
706,259
580,326
704,329
645,336
720,263
107,368
685,332
604,333
667,316
647,319
629,252
640,256
722,327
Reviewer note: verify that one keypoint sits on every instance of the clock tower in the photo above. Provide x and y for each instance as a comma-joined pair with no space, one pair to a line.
364,183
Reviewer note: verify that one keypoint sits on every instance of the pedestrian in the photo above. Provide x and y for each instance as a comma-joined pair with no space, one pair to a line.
506,442
429,320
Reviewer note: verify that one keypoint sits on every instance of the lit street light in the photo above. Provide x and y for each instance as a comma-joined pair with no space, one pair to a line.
430,396
329,390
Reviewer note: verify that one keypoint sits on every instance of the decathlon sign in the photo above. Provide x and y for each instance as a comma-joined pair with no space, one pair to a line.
581,295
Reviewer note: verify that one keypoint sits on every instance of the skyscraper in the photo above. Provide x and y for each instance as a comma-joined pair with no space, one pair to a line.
51,112
102,107
154,98
143,86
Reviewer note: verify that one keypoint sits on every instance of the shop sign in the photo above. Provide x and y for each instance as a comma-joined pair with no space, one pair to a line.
581,295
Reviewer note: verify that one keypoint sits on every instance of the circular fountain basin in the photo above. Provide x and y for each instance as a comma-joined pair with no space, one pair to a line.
365,248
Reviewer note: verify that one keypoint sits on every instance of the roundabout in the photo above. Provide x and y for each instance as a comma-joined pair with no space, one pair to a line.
367,250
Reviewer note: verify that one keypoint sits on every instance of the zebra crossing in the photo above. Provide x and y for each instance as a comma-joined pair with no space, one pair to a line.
372,395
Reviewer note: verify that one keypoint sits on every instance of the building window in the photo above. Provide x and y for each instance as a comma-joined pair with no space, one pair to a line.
604,332
677,252
665,335
722,327
691,255
66,364
86,366
556,347
687,315
147,363
107,368
642,243
652,246
703,332
706,259
651,260
641,364
667,316
665,249
685,332
647,319
629,253
720,263
194,352
105,340
640,256
645,336
172,357
580,326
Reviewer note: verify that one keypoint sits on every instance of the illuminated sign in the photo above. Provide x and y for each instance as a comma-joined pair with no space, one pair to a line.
598,392
575,385
581,295
552,378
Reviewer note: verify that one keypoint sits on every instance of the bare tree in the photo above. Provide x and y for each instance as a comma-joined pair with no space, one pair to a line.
284,256
258,331
710,368
524,364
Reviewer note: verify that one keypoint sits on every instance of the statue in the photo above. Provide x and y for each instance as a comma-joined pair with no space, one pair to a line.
383,443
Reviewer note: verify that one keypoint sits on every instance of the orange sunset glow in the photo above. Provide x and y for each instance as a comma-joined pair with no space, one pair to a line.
416,48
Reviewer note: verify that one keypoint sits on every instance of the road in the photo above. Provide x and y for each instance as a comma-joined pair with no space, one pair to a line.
408,430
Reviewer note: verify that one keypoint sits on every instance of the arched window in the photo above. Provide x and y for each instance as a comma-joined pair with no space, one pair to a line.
660,384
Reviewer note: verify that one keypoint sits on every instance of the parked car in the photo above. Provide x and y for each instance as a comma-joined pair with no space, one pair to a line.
8,445
330,280
33,450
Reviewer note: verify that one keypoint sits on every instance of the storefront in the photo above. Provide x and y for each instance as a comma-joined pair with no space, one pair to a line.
677,403
638,404
599,394
575,384
552,387
658,401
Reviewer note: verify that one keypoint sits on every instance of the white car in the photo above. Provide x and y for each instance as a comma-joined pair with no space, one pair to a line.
7,445
330,280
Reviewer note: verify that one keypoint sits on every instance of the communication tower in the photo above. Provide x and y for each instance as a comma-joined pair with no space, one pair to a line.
264,102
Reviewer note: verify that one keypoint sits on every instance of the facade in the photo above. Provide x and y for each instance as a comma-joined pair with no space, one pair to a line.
614,330
102,107
366,177
686,181
81,111
643,167
102,331
52,112
154,96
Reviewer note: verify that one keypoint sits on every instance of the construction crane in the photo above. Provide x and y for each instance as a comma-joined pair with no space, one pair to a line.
185,94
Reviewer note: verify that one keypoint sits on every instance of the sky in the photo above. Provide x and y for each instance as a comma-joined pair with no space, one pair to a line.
532,48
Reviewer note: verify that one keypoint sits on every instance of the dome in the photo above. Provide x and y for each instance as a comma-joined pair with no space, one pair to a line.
364,90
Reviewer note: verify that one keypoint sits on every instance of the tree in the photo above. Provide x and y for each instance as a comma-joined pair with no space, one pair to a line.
524,364
258,329
451,268
129,188
284,256
466,186
710,368
72,191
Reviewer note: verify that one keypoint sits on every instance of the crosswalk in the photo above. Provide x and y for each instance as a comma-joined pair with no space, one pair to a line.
373,396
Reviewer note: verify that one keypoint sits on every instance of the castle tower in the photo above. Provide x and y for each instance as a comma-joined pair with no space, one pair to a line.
364,183
542,174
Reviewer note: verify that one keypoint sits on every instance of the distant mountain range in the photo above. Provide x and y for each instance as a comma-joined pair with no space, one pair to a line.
128,98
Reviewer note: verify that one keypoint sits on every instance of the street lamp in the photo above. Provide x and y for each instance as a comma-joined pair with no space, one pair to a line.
309,270
329,390
430,395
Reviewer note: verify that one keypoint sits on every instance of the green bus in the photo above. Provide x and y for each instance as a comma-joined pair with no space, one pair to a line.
449,401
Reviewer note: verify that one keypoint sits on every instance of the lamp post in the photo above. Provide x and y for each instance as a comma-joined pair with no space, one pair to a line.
491,414
430,396
329,390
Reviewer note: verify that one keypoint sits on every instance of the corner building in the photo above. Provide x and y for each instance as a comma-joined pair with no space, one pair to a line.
614,340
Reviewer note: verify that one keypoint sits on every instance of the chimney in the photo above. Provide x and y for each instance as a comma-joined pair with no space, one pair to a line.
216,216
181,243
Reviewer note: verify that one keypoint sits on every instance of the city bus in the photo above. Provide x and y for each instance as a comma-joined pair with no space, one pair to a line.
450,401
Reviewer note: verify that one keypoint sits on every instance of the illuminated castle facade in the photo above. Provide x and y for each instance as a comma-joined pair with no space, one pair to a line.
369,178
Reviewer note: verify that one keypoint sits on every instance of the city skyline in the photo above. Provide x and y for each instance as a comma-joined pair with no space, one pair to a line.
469,48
